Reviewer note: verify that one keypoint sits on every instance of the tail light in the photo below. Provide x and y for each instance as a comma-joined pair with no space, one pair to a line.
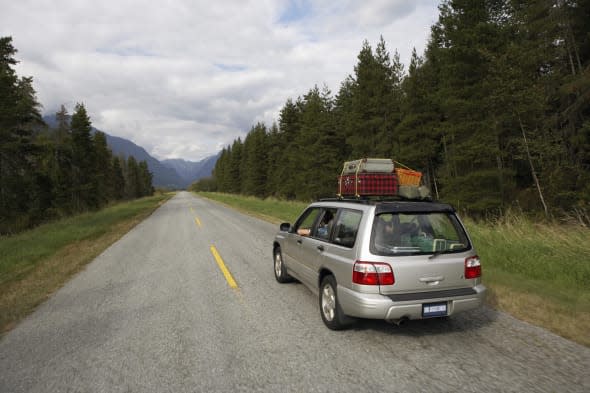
472,267
372,273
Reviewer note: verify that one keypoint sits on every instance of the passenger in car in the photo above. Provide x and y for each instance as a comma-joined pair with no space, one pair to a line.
384,231
303,231
324,227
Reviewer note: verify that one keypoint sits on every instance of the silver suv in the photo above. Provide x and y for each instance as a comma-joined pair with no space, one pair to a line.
391,260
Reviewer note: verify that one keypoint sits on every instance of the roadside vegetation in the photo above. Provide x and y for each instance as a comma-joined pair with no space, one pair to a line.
64,197
37,262
537,272
50,172
495,114
270,209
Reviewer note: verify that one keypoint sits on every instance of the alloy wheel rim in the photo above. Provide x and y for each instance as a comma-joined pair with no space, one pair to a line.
328,302
278,265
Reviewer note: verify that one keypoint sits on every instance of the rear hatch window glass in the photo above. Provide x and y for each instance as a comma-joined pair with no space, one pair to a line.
417,233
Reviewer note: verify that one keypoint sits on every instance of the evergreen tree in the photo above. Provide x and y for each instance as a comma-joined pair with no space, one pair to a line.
566,81
145,177
62,170
221,170
132,179
343,105
417,141
103,170
370,102
42,195
388,99
118,181
318,139
255,162
235,167
361,121
472,174
19,114
275,160
83,161
292,155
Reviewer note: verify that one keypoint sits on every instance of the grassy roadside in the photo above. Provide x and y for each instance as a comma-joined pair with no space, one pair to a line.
36,263
272,210
539,273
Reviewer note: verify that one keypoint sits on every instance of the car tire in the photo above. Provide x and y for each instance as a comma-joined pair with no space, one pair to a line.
280,270
330,309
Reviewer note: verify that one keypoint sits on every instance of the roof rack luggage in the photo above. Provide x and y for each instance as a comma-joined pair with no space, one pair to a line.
380,178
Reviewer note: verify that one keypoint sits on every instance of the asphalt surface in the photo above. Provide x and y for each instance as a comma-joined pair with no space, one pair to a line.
155,313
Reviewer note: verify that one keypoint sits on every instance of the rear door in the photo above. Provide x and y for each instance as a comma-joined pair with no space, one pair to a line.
340,253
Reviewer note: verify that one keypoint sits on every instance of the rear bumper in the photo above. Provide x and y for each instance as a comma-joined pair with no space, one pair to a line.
376,306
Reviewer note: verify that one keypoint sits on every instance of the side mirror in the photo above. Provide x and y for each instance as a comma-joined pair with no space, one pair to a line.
285,227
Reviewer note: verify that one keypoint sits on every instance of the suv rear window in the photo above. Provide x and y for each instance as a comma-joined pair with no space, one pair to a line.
417,233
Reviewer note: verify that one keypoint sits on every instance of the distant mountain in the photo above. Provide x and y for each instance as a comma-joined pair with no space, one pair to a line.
163,176
168,173
191,171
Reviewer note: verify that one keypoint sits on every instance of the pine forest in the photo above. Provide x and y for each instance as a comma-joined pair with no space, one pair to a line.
495,113
50,173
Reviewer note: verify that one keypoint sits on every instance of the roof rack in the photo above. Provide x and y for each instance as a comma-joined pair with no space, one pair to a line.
368,199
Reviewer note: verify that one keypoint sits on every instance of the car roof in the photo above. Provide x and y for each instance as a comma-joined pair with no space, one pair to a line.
413,207
390,206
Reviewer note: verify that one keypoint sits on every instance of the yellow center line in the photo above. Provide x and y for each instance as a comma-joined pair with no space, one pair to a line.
230,280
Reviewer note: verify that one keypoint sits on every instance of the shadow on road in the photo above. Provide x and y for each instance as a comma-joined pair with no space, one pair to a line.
465,322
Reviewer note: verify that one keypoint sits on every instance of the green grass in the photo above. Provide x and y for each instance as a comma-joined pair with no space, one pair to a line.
20,253
538,272
549,260
270,209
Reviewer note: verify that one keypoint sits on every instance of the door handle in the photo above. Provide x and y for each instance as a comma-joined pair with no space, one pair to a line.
321,248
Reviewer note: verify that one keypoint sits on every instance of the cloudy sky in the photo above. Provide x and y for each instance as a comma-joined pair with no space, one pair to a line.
184,78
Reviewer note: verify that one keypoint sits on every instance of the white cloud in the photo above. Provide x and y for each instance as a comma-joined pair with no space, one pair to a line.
185,78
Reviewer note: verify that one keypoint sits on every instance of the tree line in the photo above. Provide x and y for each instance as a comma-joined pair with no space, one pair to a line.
495,113
48,172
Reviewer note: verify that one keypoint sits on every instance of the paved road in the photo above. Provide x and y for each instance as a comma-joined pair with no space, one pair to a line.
154,313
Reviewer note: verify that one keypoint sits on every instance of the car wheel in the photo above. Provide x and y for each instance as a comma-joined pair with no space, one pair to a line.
280,271
330,310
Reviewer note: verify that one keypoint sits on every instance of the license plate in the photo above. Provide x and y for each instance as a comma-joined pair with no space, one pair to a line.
434,310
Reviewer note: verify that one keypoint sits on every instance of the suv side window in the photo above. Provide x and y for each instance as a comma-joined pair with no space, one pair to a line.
304,225
326,223
346,227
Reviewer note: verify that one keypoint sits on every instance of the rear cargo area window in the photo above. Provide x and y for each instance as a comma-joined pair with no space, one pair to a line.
422,233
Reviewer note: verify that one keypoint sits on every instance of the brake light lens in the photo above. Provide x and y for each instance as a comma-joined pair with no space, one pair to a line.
372,273
472,267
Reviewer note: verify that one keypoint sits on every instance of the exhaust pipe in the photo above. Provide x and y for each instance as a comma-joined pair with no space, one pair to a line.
399,322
